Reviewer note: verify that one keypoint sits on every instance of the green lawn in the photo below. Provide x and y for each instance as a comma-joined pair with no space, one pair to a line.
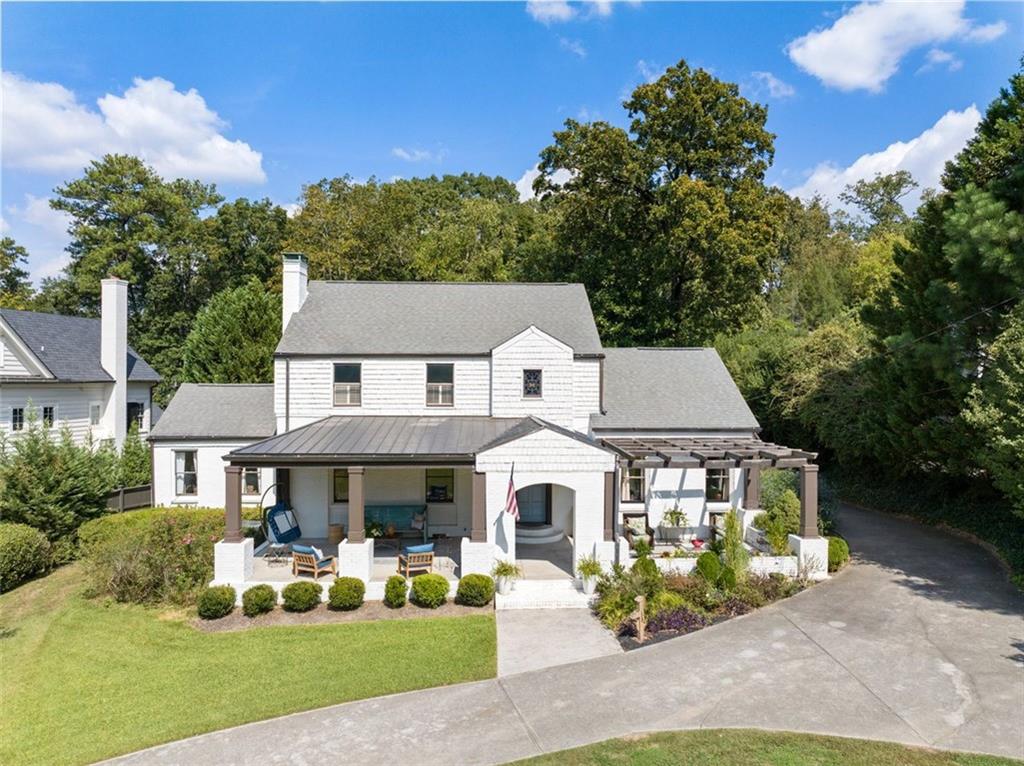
83,680
754,748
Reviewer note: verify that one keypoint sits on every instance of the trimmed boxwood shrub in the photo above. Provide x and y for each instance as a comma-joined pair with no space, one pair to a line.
430,590
395,591
301,596
475,590
216,601
259,599
346,593
24,553
838,553
645,567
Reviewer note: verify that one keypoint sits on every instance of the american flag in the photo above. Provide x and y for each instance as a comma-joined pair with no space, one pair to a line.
511,504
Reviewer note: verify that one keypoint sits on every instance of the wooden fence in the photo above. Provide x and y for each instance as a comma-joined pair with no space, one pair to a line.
130,498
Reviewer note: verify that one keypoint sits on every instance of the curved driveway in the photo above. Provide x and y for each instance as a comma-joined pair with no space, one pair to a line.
920,641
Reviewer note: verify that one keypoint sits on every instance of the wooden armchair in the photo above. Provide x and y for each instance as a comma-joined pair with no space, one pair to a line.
632,524
304,560
416,558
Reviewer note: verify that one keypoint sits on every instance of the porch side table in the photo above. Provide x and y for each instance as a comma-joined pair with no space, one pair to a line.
277,555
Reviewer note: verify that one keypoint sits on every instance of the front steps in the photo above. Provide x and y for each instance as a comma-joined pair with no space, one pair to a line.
544,594
539,534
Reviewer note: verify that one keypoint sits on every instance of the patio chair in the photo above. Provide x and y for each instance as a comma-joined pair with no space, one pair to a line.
282,526
416,558
308,560
636,527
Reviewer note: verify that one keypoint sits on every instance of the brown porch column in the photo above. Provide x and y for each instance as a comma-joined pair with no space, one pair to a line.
752,491
609,506
808,500
478,531
232,504
356,495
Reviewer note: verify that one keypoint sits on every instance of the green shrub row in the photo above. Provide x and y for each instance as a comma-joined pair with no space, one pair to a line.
838,553
24,554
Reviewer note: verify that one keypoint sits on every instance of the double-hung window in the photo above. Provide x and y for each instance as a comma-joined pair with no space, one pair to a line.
185,476
250,481
340,485
440,385
135,413
49,415
533,384
633,485
95,412
17,418
716,485
348,385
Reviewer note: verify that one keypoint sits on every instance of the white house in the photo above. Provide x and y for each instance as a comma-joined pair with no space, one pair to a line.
411,403
75,371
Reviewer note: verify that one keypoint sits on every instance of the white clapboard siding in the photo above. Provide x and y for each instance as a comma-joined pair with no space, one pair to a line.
390,386
533,349
11,364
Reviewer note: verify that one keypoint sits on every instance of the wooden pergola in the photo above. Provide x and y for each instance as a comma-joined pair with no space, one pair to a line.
750,454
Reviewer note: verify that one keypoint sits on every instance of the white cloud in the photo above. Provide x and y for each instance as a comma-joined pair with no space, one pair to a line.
553,11
649,70
775,87
923,156
292,209
865,46
937,57
418,155
525,183
46,128
43,232
574,47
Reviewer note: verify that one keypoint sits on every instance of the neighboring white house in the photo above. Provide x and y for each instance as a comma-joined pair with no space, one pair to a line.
75,371
399,395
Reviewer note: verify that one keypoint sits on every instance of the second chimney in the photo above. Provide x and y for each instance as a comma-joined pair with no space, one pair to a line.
114,356
294,282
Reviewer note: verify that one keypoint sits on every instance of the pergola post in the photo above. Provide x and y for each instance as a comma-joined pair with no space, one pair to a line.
752,491
609,506
478,531
356,503
809,500
232,504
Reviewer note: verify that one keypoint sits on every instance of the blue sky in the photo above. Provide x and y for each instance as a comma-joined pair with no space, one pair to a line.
261,98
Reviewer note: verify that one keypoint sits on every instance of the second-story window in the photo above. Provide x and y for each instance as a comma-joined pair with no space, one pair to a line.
49,414
440,385
533,384
17,418
348,385
136,411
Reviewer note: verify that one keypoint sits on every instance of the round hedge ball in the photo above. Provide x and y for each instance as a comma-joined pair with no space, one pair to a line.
216,601
346,593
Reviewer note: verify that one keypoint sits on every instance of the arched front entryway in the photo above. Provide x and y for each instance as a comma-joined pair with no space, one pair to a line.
545,532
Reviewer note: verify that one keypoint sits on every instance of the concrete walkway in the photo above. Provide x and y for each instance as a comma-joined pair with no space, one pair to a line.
531,639
920,641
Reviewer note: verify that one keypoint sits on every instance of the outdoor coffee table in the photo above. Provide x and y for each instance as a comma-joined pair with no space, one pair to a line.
277,555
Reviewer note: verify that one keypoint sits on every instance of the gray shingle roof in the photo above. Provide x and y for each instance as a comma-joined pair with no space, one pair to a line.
211,410
435,317
670,388
384,437
69,347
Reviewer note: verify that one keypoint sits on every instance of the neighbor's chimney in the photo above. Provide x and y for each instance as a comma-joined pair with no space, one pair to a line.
293,285
114,355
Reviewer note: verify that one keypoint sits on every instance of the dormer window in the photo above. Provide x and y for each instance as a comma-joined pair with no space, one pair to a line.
440,385
348,387
533,384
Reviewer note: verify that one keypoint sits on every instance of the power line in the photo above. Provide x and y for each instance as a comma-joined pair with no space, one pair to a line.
955,323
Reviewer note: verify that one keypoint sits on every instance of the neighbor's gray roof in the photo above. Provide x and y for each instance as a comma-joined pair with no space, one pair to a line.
390,437
436,317
211,411
69,347
670,388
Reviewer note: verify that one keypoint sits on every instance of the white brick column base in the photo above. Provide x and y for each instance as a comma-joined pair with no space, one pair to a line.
356,559
622,547
232,562
811,556
477,558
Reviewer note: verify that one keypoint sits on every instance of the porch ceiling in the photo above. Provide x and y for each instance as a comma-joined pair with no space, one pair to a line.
668,452
369,439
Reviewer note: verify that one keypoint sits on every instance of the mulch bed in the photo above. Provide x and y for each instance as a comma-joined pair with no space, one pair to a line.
322,615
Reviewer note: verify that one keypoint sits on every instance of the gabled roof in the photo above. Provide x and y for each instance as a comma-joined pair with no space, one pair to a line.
662,389
436,318
215,410
69,347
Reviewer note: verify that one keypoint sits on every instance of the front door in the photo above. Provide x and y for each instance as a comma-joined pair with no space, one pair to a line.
533,505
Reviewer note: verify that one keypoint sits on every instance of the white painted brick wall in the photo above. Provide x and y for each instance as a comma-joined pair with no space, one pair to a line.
477,558
209,475
233,562
356,559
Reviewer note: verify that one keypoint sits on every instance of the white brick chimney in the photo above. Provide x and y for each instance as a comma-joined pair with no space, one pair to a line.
294,282
114,356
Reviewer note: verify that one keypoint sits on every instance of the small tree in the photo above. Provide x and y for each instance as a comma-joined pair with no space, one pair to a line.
133,466
733,553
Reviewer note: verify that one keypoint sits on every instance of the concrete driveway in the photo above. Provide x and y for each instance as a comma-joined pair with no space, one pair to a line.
920,641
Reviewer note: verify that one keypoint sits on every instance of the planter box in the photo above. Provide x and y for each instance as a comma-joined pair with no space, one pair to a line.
764,565
681,565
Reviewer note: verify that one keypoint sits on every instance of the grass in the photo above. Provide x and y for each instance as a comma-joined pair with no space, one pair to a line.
754,748
83,680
